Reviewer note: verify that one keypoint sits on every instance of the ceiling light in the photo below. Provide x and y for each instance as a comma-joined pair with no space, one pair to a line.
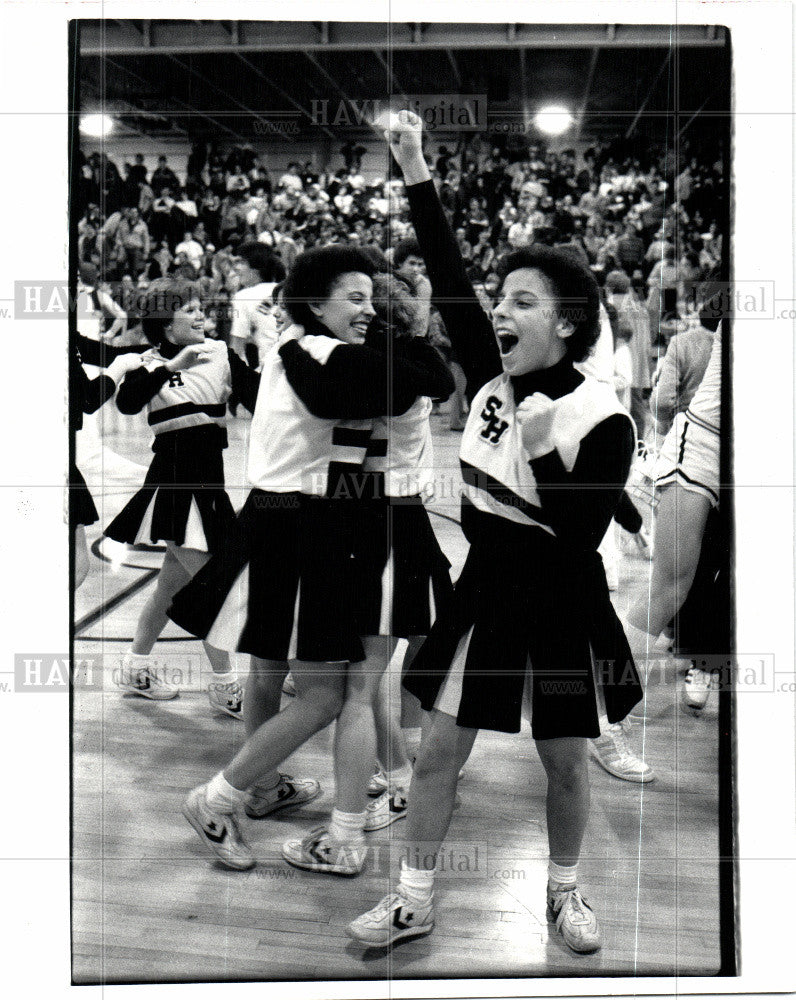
96,126
553,120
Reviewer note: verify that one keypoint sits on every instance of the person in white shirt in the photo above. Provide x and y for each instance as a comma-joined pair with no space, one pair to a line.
193,250
259,269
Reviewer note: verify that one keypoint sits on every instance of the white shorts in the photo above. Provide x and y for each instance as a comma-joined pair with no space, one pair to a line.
690,457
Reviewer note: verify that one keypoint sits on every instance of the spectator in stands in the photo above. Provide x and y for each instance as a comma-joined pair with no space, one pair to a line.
680,373
163,177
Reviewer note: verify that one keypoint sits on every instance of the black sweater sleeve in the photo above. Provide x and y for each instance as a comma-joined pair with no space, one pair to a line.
245,380
581,503
139,386
357,383
97,352
466,323
95,391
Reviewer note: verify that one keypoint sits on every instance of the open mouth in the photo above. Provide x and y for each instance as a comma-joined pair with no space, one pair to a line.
506,342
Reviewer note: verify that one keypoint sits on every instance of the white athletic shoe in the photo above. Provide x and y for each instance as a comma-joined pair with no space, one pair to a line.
574,919
218,831
139,677
388,808
611,752
395,917
226,698
378,784
317,852
289,686
289,792
696,689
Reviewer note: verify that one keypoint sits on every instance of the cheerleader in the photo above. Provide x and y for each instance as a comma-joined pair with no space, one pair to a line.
545,454
86,396
286,589
400,573
184,384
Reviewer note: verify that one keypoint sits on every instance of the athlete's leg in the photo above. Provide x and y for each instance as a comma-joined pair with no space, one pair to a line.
319,698
565,764
680,525
153,617
192,560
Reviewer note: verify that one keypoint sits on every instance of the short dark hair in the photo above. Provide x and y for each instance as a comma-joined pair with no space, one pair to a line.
408,247
313,276
163,298
261,259
377,257
574,286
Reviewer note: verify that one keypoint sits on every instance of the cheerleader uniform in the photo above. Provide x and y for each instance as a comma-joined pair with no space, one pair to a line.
690,452
183,499
401,575
532,599
283,588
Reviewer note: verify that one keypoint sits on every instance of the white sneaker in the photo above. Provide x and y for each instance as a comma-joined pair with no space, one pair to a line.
378,784
696,689
289,792
388,808
289,686
317,852
611,752
226,698
138,676
218,831
395,917
574,919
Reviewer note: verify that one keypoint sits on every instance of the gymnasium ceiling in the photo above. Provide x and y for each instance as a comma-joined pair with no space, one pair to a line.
231,80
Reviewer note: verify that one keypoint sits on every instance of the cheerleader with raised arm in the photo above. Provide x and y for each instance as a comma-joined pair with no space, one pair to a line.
184,384
286,589
545,454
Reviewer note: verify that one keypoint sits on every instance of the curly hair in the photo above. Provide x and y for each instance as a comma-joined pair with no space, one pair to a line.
397,309
313,276
575,288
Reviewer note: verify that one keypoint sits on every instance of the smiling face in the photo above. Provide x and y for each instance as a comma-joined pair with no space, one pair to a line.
347,311
530,333
188,324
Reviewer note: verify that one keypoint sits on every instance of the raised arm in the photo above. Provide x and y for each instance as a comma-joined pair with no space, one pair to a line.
245,380
468,326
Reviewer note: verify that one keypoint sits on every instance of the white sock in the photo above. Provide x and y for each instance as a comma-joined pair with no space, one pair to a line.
226,678
417,883
223,797
561,876
399,778
347,828
136,659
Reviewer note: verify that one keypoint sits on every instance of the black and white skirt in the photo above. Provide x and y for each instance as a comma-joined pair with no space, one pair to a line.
183,499
82,509
401,575
525,608
282,586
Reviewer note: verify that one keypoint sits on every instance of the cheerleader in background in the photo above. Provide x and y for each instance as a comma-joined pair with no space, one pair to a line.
401,575
285,590
184,384
86,396
545,455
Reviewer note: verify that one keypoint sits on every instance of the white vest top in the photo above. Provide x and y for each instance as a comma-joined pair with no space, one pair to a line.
193,397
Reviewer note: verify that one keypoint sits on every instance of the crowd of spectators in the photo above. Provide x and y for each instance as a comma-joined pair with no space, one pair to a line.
649,228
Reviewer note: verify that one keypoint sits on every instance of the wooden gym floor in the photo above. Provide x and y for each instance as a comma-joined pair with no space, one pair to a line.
150,904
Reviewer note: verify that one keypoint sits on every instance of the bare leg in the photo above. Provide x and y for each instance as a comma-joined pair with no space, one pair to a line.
192,561
355,739
390,744
565,764
679,527
319,698
262,700
81,555
153,617
442,754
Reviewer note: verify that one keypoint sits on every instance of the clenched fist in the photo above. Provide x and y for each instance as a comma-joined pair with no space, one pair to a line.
535,415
